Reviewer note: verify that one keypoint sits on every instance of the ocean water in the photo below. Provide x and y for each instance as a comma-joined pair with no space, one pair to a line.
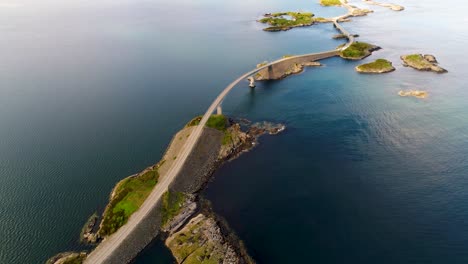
92,91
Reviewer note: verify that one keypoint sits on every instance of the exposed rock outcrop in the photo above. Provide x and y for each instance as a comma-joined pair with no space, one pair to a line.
201,241
415,93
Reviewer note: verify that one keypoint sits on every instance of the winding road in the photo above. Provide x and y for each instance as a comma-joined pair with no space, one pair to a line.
103,252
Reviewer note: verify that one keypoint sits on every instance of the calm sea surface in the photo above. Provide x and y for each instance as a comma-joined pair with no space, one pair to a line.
92,91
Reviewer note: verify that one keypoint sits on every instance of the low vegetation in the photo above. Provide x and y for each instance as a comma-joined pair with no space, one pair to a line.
128,196
417,60
330,2
280,21
171,204
378,66
357,50
227,138
215,121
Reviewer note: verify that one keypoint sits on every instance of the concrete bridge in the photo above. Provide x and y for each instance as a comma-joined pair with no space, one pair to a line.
108,250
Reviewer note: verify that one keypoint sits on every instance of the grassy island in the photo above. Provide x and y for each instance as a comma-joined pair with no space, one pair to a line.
287,20
422,63
358,51
330,2
378,66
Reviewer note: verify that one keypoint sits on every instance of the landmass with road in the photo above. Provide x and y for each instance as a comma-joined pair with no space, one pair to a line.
223,140
164,199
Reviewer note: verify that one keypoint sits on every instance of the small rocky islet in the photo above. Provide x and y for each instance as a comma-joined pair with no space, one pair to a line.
358,51
414,93
422,63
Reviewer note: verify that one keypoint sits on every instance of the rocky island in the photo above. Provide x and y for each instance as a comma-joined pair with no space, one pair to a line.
358,51
378,66
415,93
422,63
286,20
393,7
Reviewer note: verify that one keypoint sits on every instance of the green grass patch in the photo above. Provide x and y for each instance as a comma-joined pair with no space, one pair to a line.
278,21
379,64
171,205
357,50
330,2
215,121
128,197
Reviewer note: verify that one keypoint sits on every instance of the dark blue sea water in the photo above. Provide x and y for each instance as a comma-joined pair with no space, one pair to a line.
92,91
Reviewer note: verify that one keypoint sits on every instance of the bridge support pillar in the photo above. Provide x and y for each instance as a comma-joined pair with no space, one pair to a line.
251,79
219,110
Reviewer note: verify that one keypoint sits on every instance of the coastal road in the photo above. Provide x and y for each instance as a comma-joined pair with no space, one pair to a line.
105,249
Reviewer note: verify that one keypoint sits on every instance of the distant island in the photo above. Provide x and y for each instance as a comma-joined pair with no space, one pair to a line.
415,93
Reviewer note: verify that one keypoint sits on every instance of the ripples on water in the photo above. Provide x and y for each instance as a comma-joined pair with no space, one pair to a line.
91,92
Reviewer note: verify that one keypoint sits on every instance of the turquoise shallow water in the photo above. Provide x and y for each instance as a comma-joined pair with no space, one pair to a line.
91,92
